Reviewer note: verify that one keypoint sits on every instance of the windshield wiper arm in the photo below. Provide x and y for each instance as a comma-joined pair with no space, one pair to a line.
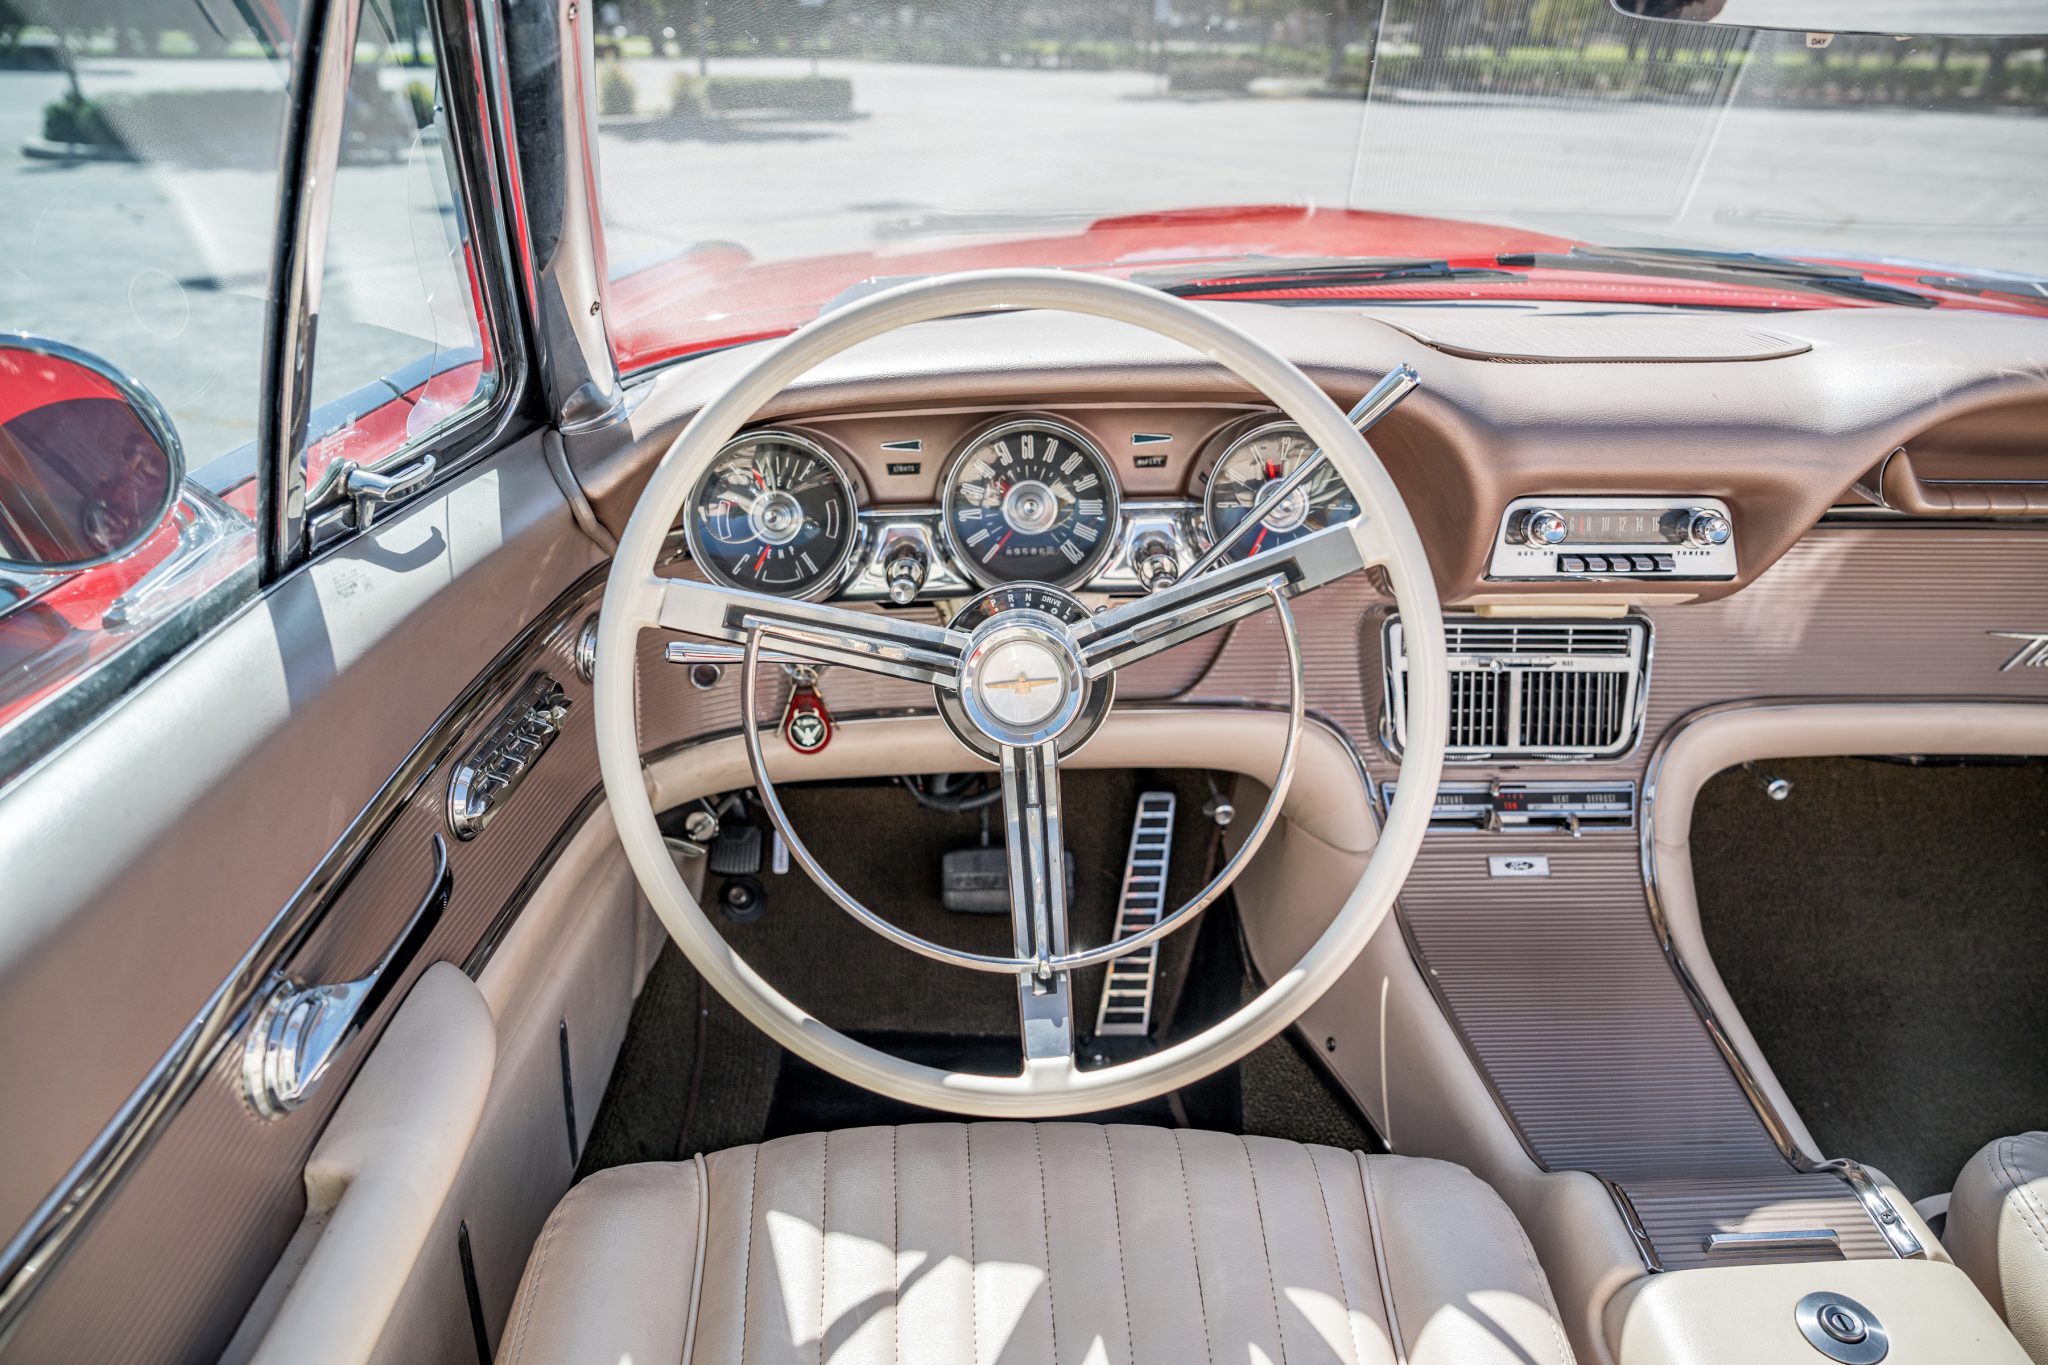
1724,266
1319,273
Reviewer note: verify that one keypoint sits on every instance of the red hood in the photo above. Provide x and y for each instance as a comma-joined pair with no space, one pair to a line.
717,295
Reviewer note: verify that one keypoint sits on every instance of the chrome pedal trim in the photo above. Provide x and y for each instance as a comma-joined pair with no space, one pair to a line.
1127,992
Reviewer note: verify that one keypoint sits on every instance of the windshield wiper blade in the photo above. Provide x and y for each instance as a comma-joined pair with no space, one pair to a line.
1317,273
1724,266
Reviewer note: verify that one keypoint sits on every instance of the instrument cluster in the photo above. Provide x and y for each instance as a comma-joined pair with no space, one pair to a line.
1026,498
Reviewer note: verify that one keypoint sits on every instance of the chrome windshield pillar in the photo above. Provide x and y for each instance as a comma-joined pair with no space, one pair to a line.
551,96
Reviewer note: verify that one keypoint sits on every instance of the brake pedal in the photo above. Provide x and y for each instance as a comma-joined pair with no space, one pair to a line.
1127,993
736,852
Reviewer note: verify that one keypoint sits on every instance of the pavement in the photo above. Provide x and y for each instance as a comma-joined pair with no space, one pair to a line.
161,266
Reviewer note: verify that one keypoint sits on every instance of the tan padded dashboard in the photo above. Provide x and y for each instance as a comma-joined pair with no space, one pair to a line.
1781,434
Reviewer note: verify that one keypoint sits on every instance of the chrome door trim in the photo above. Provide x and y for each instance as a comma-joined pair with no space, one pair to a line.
321,62
52,1230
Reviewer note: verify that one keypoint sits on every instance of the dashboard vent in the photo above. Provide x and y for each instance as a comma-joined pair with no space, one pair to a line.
1533,689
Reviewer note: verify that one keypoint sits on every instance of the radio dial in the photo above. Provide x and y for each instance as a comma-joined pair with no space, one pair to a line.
1707,528
1544,528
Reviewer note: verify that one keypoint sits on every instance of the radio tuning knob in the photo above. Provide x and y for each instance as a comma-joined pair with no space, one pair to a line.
1707,527
905,570
1544,528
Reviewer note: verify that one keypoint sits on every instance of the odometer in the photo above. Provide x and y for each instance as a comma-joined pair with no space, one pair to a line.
1030,500
774,513
1254,462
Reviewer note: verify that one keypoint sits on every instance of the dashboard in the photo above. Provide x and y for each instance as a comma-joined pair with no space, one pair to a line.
1110,500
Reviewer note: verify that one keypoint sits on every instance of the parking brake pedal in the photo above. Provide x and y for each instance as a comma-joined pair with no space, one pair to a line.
1127,994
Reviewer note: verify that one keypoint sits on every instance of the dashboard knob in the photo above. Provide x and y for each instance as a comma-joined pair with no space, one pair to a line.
1155,564
1707,527
1544,528
905,571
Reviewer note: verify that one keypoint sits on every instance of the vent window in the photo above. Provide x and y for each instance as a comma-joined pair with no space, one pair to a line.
1533,689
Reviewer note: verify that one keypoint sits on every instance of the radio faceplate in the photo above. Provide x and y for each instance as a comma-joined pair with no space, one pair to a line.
1623,537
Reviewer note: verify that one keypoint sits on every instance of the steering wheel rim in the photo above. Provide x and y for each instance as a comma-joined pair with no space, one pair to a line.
635,598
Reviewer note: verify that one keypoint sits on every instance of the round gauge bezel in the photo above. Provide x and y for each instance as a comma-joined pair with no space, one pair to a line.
1113,496
831,579
1204,473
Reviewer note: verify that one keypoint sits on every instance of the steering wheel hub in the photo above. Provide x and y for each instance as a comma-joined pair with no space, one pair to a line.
1022,678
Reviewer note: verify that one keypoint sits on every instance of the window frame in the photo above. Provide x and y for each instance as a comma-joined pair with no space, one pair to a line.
322,65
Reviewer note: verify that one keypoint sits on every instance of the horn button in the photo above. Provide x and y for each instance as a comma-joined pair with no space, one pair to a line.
1021,681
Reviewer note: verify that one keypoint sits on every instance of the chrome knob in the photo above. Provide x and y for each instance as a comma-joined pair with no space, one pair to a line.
1544,528
1155,564
1707,528
905,571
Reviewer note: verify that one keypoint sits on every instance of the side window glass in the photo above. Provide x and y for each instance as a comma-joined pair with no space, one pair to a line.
138,189
403,344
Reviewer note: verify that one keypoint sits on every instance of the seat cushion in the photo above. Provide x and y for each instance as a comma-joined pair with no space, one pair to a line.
1017,1242
1997,1230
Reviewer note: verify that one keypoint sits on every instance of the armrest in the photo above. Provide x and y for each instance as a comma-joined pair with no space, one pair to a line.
377,1178
1929,1309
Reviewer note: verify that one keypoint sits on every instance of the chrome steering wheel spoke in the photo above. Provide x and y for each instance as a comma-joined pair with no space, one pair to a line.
1038,899
806,632
1193,607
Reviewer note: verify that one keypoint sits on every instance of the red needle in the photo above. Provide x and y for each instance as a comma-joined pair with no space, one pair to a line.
999,547
763,558
1257,541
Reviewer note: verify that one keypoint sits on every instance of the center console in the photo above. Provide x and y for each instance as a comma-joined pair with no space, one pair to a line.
1852,1312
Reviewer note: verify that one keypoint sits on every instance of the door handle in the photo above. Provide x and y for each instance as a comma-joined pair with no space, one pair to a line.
299,1028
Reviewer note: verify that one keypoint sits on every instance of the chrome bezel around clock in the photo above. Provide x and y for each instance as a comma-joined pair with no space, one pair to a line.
1112,497
841,569
1218,452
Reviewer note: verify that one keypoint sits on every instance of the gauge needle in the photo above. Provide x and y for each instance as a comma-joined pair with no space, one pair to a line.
763,559
1257,542
998,549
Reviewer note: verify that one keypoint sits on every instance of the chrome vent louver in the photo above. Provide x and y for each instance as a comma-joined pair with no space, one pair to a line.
1533,689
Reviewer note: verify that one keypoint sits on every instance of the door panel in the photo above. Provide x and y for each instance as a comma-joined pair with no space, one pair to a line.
180,830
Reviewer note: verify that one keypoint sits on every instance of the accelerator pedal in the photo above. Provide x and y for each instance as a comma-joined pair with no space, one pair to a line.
1127,994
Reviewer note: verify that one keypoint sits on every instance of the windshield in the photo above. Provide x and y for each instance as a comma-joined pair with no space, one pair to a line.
761,157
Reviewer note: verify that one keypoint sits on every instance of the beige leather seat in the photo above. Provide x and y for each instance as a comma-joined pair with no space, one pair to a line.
961,1244
1997,1230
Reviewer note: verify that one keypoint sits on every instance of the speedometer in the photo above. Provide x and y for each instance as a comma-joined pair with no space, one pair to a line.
775,514
1254,462
1030,499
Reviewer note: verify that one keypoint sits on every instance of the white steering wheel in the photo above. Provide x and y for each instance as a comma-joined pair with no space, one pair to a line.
1073,658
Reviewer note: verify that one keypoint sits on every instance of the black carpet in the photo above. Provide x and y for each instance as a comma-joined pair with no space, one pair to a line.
1885,934
693,1076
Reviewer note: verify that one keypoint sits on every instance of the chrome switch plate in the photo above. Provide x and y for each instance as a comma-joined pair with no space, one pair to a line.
508,750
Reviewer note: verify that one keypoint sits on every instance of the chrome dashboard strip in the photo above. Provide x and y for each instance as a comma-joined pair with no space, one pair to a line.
40,1245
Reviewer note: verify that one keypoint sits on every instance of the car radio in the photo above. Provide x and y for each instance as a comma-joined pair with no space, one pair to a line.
1614,537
